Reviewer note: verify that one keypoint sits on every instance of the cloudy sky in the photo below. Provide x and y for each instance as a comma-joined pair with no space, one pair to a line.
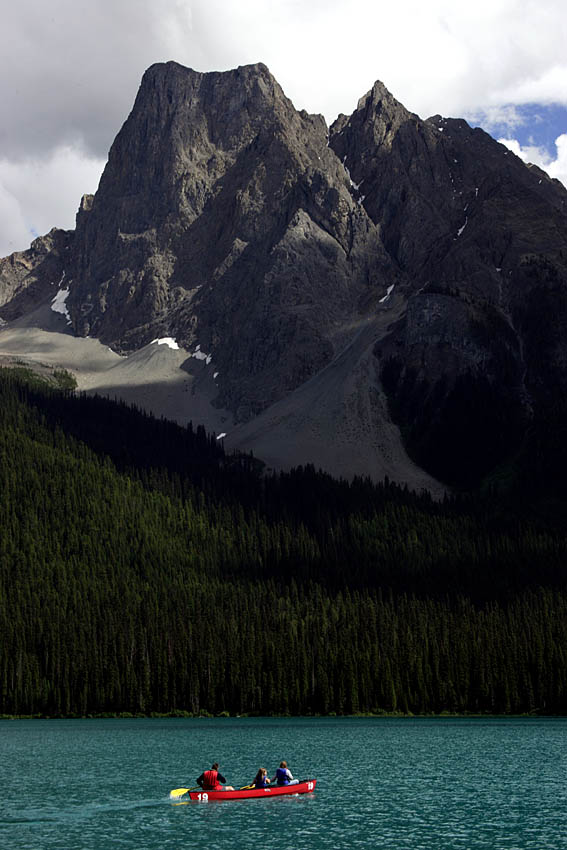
71,69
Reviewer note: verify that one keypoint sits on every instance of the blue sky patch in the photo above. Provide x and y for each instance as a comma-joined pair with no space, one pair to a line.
531,124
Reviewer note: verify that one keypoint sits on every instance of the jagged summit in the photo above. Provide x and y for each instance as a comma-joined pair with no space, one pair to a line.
379,102
331,278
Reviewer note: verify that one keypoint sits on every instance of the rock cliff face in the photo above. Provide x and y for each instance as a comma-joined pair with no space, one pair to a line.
420,254
224,219
483,240
27,277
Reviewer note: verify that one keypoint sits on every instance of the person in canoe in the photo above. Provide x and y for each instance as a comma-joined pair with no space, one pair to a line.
261,778
283,775
211,780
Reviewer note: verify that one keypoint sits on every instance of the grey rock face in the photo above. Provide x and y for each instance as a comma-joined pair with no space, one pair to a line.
27,277
481,239
224,219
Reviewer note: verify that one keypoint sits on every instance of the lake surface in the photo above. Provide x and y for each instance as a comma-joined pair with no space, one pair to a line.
447,784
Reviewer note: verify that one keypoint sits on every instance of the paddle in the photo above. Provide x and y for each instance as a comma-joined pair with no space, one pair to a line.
179,792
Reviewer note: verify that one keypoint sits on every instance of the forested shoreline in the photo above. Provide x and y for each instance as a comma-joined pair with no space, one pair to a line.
142,570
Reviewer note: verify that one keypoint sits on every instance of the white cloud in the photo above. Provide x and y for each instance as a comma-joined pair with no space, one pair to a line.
37,194
549,86
495,117
558,168
555,167
15,235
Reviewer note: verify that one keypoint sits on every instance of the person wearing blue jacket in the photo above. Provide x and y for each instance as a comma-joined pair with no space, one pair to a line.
283,775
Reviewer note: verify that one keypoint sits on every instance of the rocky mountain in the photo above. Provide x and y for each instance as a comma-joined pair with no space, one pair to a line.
28,277
225,220
480,349
335,289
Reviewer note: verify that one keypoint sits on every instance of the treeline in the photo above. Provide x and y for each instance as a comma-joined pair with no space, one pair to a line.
143,570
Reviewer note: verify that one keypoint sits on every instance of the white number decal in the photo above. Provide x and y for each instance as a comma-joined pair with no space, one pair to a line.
204,797
310,786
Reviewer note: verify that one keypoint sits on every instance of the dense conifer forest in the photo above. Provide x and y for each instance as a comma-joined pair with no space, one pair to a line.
143,570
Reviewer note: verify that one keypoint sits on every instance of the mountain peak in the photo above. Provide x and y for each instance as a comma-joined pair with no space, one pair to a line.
174,73
180,82
375,123
379,103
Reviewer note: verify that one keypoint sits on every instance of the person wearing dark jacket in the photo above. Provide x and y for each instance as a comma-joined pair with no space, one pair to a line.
210,780
261,778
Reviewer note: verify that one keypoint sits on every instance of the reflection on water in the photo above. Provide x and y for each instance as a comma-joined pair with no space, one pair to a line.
421,784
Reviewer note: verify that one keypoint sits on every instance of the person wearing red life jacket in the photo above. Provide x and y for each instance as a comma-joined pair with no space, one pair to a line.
210,780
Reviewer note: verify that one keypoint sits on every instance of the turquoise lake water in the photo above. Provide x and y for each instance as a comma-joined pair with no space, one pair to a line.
448,784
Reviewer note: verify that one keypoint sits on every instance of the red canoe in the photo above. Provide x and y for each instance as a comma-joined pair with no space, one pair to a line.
303,787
